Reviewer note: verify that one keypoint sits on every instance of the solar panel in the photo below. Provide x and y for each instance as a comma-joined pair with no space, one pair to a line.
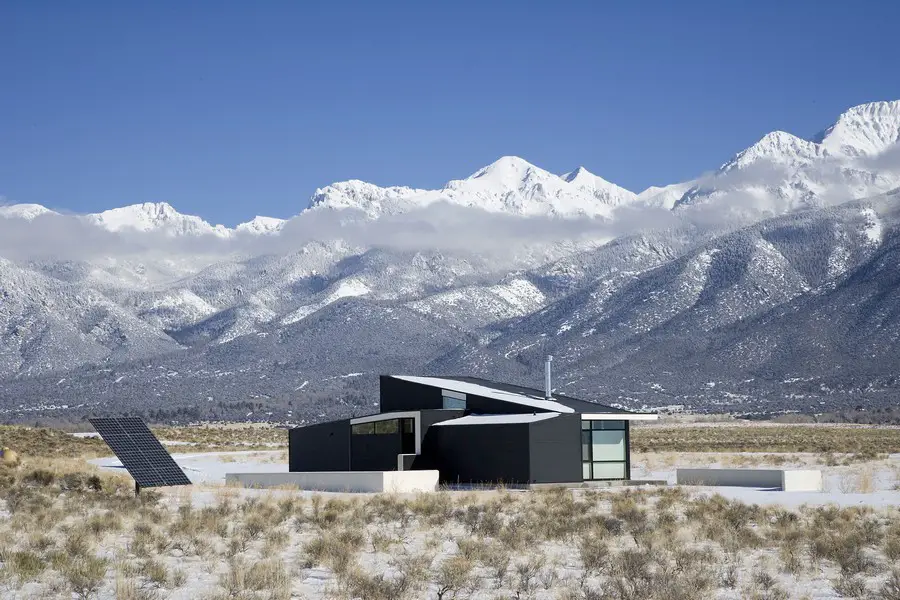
140,452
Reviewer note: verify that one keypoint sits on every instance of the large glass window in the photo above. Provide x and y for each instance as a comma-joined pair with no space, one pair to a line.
384,427
454,402
363,429
607,446
603,449
388,426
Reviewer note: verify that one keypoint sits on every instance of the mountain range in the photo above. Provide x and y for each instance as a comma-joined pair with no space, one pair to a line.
769,284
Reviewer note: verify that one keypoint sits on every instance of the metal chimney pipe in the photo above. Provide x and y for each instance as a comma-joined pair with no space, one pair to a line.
548,386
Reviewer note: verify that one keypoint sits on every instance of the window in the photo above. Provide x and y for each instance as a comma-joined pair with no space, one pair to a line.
606,425
607,446
602,470
603,449
408,425
454,403
363,429
454,400
386,427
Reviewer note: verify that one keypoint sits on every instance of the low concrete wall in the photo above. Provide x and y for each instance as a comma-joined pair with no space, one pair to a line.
809,480
787,480
342,481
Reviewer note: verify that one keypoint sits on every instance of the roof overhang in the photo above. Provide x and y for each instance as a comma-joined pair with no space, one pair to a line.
619,416
464,387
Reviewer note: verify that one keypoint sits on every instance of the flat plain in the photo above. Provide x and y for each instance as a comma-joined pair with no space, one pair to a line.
70,526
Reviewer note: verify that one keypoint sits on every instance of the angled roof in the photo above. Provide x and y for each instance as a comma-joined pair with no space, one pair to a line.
515,394
477,389
582,406
497,419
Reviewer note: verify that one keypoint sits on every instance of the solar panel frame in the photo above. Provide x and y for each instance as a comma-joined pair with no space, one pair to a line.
142,455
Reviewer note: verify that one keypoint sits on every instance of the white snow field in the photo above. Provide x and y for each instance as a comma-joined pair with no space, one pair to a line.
212,541
841,483
841,487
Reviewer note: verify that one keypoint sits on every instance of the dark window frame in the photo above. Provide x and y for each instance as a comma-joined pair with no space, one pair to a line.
587,429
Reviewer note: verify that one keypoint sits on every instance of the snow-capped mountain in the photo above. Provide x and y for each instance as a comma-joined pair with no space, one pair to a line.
664,197
261,225
604,191
369,198
154,217
509,185
27,212
694,312
864,130
782,172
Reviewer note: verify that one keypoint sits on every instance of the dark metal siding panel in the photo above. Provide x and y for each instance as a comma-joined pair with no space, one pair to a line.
479,453
320,447
428,418
375,452
397,394
556,450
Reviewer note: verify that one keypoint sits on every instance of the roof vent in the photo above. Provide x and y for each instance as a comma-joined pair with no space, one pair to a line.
548,389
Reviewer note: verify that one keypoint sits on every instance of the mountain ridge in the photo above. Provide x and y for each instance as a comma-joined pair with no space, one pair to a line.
680,307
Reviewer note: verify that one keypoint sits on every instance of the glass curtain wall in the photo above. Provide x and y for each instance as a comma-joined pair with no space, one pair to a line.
603,450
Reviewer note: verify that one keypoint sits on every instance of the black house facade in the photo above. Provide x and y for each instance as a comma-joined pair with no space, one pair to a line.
473,431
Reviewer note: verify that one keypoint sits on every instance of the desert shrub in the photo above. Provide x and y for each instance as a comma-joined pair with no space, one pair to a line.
453,575
99,524
473,549
275,540
497,562
85,575
39,477
481,519
765,587
25,566
127,588
846,549
268,575
433,508
410,571
335,549
593,550
155,571
850,586
518,533
527,572
78,541
891,588
891,543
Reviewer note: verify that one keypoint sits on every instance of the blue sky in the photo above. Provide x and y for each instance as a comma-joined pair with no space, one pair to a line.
231,109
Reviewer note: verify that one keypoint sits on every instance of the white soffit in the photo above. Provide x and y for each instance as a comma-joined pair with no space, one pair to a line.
464,387
497,419
619,416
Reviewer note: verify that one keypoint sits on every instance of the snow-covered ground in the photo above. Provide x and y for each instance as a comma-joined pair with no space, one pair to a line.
874,483
211,467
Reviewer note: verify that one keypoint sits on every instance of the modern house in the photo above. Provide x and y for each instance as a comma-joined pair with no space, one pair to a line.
473,431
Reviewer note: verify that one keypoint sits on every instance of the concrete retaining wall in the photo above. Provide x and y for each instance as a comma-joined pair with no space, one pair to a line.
786,480
342,481
809,480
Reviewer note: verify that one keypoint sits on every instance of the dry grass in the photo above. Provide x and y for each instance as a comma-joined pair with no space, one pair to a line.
72,531
866,443
43,442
